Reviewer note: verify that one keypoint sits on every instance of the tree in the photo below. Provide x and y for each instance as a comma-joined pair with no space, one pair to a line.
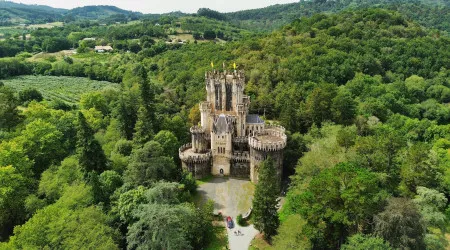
43,144
420,168
56,179
318,104
9,114
401,224
127,113
70,223
30,94
168,142
12,154
161,226
340,201
209,35
94,100
13,191
431,205
265,199
364,242
91,155
343,107
346,137
143,128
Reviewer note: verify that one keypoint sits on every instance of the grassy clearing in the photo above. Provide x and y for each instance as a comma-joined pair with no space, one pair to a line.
46,25
67,89
219,238
204,180
245,202
258,243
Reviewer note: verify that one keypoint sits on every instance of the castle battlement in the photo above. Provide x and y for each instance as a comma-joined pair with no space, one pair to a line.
230,141
240,139
276,127
268,141
241,157
187,155
218,75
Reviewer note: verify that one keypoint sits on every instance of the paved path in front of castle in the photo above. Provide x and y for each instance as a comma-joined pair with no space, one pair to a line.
231,197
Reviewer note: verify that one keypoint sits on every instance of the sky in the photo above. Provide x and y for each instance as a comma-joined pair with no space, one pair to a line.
163,6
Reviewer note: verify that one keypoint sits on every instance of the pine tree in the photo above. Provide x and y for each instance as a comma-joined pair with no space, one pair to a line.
143,129
127,116
91,155
147,94
265,199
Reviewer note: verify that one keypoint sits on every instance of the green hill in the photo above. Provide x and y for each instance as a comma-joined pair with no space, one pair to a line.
433,14
99,12
16,13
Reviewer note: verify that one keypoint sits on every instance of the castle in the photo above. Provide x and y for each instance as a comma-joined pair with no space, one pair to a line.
230,141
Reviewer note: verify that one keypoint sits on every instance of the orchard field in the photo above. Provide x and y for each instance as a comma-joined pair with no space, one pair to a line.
64,88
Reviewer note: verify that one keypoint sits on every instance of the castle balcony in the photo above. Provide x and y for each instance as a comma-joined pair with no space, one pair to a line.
272,138
241,157
188,155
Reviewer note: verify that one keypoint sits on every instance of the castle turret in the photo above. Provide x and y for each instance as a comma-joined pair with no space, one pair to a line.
205,116
269,142
199,139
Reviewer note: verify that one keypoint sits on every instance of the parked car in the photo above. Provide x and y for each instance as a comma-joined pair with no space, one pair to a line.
230,223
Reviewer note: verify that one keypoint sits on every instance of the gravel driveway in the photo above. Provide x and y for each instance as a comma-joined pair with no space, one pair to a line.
231,197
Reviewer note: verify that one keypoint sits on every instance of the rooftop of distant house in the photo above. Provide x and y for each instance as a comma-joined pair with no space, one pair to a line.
103,48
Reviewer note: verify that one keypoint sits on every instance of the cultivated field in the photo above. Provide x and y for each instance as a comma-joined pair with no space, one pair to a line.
67,89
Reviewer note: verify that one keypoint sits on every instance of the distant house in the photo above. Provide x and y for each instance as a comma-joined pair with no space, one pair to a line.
89,39
102,49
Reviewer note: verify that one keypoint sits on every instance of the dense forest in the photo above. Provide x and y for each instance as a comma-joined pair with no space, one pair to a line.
363,92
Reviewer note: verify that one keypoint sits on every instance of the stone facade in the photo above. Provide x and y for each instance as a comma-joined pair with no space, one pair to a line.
230,141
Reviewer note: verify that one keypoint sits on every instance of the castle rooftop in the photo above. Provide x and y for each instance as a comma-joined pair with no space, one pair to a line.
254,119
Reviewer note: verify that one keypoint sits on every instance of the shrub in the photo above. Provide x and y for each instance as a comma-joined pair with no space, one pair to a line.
241,221
30,94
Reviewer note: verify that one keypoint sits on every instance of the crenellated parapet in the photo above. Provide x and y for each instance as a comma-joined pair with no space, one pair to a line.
241,157
260,145
219,75
240,139
184,147
271,139
187,155
275,127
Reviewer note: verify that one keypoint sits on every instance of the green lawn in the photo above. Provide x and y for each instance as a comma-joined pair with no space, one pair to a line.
219,240
67,89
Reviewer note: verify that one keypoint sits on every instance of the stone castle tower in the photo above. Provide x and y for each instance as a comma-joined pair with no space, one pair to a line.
230,141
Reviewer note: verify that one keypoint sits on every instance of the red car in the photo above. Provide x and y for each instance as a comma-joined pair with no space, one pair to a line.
230,223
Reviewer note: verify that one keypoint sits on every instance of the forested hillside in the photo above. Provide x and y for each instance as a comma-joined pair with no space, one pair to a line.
15,13
364,95
432,14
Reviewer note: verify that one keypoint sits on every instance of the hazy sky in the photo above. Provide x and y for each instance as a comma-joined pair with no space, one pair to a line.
162,6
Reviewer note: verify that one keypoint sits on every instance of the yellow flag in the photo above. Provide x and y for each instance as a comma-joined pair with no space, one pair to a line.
212,64
234,65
